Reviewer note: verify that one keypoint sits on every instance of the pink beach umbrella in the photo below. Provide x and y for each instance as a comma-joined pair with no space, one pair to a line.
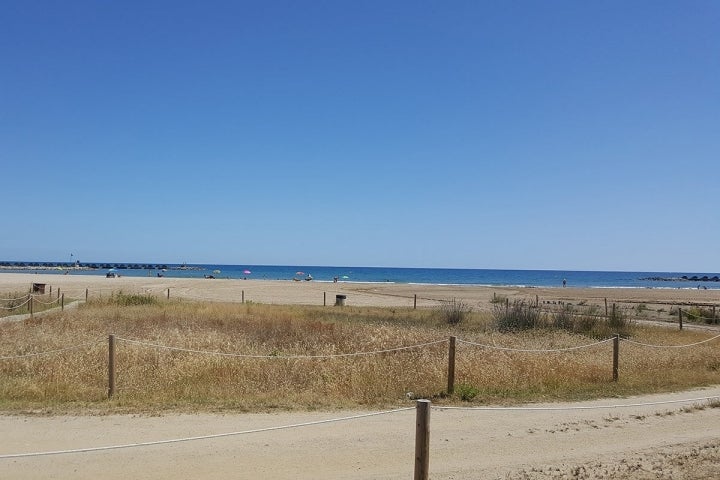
247,272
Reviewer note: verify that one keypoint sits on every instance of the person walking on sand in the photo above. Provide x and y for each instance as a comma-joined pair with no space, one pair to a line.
564,283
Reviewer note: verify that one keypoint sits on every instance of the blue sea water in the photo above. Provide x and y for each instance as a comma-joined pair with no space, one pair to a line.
437,276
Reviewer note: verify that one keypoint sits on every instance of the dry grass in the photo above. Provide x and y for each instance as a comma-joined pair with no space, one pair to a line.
16,303
150,378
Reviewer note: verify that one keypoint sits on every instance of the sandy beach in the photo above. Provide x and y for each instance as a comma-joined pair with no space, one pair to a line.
651,439
357,294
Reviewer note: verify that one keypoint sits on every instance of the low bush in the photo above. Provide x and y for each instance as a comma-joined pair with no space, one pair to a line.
515,316
588,321
466,392
133,299
454,311
699,314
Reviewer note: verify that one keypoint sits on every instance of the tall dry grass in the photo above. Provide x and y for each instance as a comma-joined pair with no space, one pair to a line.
151,378
16,303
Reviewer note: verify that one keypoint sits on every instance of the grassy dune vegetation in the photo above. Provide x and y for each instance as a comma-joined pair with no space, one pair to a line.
152,379
18,303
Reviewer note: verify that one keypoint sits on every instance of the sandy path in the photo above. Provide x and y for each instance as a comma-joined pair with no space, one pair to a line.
603,443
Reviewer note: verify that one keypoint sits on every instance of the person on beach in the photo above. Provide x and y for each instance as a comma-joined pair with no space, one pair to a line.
564,283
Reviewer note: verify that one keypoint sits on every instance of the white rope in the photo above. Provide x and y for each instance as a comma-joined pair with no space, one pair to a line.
50,352
35,299
528,350
239,355
202,437
17,306
670,346
13,299
596,407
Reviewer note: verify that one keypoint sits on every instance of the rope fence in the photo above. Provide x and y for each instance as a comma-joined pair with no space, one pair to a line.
51,352
30,300
634,309
205,437
633,342
531,350
571,408
451,353
282,357
422,409
15,307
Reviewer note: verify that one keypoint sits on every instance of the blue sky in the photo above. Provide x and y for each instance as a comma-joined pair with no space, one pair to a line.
478,134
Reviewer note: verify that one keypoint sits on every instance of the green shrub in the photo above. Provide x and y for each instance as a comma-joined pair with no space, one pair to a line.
131,299
564,319
617,320
587,320
516,316
466,392
454,311
698,314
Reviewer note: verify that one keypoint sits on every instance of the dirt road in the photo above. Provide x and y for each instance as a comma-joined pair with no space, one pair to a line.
666,440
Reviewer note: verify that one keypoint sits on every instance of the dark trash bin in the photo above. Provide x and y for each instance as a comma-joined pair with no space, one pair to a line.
38,288
340,300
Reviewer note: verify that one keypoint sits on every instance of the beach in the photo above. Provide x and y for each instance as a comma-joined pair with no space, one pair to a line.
653,438
357,294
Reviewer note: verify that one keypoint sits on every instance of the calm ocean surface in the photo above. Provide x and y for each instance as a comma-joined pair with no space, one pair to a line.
438,276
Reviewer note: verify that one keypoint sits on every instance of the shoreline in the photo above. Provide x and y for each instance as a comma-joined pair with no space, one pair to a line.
87,272
365,294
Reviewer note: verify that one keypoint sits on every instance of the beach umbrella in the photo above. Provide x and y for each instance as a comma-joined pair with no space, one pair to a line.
345,276
216,271
247,272
299,273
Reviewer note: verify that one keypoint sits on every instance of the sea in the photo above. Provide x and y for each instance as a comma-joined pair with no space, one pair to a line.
434,276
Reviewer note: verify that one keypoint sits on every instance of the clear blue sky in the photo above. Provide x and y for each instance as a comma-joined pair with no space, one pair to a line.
478,134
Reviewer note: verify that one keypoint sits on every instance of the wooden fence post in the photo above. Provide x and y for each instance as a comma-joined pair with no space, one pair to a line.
168,294
680,317
616,356
422,440
50,294
415,302
606,310
86,294
451,367
111,366
30,305
243,296
58,293
62,302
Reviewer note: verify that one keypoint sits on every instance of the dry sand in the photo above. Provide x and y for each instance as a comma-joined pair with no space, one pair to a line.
650,441
358,294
